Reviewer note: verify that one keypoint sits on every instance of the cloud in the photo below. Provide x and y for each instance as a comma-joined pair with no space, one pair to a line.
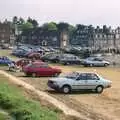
74,11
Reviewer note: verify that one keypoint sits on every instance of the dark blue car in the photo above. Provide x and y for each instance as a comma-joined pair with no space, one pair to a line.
5,61
19,53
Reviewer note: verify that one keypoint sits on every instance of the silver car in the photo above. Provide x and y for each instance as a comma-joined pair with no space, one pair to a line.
79,81
95,61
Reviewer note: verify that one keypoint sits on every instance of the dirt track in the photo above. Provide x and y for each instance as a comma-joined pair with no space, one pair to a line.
66,110
105,106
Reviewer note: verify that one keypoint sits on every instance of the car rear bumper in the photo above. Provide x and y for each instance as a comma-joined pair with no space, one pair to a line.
108,86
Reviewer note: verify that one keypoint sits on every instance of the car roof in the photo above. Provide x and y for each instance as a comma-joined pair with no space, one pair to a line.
39,62
80,72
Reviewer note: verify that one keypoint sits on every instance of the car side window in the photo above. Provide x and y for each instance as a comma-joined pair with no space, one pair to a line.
92,77
44,66
82,77
98,59
35,66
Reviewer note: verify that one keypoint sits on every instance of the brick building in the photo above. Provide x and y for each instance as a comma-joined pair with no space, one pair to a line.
96,38
6,34
38,36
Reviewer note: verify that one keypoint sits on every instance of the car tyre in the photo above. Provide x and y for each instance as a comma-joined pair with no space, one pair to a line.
91,65
105,64
27,74
56,75
66,89
99,89
66,63
34,75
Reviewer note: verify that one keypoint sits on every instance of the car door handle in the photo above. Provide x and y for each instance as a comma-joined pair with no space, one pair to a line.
96,81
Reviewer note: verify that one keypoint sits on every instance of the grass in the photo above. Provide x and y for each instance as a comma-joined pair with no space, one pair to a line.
8,53
12,101
4,116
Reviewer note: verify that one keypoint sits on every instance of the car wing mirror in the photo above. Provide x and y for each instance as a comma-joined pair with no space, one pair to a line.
77,79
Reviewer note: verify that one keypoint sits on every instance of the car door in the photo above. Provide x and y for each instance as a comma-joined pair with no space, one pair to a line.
80,82
35,68
45,70
98,62
92,81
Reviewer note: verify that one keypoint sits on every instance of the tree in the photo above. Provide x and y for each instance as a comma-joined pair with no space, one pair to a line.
29,20
52,26
45,26
15,20
63,26
21,21
33,21
26,26
71,30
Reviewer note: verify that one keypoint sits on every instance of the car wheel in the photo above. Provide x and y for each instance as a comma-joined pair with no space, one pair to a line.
34,75
91,65
66,89
99,89
66,63
56,74
27,74
105,64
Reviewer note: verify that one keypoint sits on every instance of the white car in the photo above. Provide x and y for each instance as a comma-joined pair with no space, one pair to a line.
95,61
79,81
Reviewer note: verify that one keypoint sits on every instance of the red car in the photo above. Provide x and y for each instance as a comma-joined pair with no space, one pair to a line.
22,62
40,69
34,55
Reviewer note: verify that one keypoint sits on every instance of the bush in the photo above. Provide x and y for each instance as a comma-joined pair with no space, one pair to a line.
22,108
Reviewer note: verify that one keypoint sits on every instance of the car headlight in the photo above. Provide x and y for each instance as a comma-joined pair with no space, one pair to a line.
55,83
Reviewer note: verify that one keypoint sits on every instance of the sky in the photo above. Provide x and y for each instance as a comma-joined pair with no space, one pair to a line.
95,12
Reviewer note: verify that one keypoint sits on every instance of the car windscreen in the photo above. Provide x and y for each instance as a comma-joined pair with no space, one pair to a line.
72,75
28,65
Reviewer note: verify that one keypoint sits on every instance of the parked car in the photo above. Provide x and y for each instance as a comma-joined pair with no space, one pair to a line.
5,60
79,81
61,58
52,57
40,69
70,59
46,57
23,62
5,46
19,52
95,61
34,55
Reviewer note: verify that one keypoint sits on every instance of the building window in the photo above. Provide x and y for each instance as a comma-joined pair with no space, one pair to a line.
2,35
44,43
96,36
54,39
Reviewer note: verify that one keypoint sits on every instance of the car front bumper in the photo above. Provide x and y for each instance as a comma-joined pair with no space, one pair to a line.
53,86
